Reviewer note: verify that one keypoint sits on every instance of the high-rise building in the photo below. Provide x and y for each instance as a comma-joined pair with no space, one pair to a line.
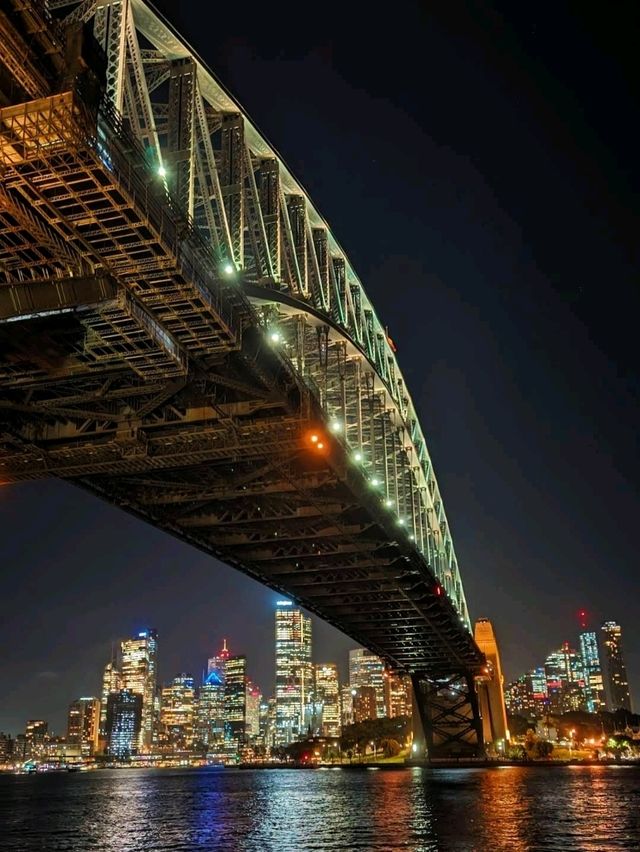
139,662
346,705
366,669
83,725
593,680
210,706
397,694
294,671
615,680
235,702
527,696
35,736
111,682
124,723
177,711
365,703
254,697
565,680
327,692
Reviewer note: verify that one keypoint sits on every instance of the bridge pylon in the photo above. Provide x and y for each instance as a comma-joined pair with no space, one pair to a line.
446,714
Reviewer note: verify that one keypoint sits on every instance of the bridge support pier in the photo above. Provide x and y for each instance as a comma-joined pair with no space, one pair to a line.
447,722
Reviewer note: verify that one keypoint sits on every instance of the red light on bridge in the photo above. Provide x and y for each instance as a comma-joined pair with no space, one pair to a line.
316,440
438,589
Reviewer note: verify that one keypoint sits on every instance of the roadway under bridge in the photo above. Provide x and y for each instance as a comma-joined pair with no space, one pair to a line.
182,335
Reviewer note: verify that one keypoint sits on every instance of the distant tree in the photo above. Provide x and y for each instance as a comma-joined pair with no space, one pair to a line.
390,747
543,749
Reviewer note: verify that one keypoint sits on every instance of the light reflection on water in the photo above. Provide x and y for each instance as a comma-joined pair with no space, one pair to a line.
519,810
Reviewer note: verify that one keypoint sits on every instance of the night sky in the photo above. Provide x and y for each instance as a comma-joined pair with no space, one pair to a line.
476,163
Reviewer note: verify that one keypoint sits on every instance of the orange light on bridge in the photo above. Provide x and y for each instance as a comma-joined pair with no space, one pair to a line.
316,440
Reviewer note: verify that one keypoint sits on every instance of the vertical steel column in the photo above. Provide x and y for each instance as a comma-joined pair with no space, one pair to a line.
232,178
450,714
180,136
109,28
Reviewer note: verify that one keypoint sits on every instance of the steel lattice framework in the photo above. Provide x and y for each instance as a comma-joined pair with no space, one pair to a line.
208,357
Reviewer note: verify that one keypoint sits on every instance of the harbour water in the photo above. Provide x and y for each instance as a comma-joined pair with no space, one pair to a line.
516,809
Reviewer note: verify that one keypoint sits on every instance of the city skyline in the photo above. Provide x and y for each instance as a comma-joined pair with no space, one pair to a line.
348,665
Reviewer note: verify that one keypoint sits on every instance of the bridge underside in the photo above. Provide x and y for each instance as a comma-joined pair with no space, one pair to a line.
132,368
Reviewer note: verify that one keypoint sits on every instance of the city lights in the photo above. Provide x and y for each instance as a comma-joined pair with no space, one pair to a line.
162,171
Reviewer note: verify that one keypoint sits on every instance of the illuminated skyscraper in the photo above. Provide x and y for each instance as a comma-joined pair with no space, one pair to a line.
615,680
235,702
365,703
177,711
594,684
211,702
366,669
111,682
254,697
139,661
565,680
327,693
294,671
124,721
397,694
83,725
35,736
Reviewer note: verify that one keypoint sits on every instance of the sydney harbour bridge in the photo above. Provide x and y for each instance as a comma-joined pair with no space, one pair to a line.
182,335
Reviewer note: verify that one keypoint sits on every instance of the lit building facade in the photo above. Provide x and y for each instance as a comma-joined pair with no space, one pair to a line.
615,681
235,703
177,705
594,682
254,698
365,703
35,736
124,723
397,694
83,725
139,671
527,696
366,669
111,682
346,705
565,680
294,672
327,692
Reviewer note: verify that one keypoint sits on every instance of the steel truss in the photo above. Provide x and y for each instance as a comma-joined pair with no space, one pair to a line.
198,320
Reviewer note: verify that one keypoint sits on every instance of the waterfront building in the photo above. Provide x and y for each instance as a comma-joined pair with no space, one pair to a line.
111,682
615,681
139,664
210,711
327,692
83,725
235,703
397,694
124,723
527,696
7,750
294,671
565,680
367,669
365,703
177,702
594,683
35,737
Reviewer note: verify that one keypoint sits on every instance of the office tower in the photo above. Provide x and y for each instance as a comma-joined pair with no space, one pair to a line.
527,696
35,737
397,694
83,725
124,723
139,661
346,705
327,691
254,697
365,703
593,679
294,671
177,711
7,749
565,680
366,669
615,680
111,682
235,702
215,664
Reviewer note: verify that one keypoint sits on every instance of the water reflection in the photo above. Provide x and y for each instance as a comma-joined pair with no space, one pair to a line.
489,810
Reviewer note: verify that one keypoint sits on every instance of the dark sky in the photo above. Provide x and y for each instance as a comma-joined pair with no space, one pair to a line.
476,162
